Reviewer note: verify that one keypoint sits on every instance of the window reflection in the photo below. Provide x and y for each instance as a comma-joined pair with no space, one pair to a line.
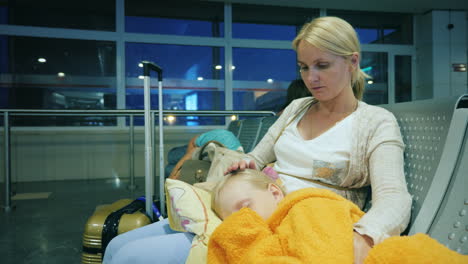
254,31
261,77
375,65
175,18
80,74
402,79
379,28
172,26
269,22
84,14
44,73
193,79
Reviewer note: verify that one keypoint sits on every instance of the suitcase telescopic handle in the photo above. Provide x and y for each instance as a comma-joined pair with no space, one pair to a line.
151,66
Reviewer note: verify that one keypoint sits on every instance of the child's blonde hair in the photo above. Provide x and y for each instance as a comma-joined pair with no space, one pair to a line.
256,178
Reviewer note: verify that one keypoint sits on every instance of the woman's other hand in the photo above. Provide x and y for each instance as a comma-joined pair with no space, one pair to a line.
362,245
240,165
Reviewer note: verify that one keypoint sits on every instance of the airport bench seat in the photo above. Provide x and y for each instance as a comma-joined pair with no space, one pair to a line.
435,133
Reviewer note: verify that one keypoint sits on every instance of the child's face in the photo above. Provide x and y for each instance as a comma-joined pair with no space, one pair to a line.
237,194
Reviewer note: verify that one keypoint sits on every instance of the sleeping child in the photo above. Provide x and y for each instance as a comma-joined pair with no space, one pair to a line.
262,225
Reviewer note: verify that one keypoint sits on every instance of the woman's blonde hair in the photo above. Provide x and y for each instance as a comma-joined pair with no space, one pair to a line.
256,178
338,37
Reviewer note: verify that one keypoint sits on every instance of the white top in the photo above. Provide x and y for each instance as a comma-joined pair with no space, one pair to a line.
375,159
324,158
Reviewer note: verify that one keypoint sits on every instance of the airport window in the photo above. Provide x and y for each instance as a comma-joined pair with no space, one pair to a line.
402,79
379,28
193,79
85,14
45,73
3,14
3,71
261,77
193,75
268,22
256,31
375,65
163,17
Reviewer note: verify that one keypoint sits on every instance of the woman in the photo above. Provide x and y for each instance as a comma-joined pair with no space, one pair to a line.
335,141
332,140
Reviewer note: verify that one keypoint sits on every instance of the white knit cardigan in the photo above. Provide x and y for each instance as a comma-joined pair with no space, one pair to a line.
376,159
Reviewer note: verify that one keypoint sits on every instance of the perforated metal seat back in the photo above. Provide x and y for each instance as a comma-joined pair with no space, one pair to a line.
436,164
249,133
266,124
424,126
450,225
446,211
235,127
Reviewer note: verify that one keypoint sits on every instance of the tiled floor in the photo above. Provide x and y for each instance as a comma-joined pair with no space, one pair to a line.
50,230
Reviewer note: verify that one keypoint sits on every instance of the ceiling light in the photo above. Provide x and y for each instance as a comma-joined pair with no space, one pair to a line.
141,77
218,67
270,81
140,65
200,78
170,118
61,74
233,67
370,81
42,60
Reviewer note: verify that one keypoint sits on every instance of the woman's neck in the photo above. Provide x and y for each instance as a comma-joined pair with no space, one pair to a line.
339,105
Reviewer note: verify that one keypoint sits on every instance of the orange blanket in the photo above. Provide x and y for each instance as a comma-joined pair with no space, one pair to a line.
313,226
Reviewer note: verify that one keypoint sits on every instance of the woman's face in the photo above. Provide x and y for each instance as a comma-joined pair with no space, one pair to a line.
326,75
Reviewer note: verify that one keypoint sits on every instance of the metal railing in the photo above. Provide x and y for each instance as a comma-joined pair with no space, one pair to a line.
9,113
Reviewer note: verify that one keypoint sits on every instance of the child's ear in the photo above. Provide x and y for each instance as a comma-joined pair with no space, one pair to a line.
276,192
